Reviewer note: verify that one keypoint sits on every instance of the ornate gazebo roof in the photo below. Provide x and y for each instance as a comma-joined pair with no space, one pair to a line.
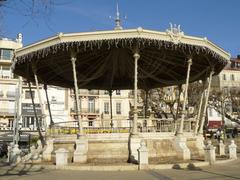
105,59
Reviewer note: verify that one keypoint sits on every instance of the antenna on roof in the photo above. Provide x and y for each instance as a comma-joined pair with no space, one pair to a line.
117,19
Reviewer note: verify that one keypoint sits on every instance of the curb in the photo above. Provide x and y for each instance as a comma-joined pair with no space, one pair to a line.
130,167
122,167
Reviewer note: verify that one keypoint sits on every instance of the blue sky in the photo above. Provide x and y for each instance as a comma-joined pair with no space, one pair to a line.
218,20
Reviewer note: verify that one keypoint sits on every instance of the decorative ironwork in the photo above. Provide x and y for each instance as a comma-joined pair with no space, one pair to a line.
175,33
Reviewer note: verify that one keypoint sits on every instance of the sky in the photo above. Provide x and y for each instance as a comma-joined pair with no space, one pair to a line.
218,20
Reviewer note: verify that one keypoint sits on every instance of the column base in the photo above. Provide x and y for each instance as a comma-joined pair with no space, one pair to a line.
80,154
200,145
47,153
182,150
134,146
15,155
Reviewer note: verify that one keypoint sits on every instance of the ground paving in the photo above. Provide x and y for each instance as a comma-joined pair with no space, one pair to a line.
228,170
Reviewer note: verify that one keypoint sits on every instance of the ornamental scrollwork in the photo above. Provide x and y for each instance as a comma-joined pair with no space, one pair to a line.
175,33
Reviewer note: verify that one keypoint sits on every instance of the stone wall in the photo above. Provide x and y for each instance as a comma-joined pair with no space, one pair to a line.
193,148
105,151
114,148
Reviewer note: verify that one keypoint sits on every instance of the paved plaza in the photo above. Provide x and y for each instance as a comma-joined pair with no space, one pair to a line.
230,170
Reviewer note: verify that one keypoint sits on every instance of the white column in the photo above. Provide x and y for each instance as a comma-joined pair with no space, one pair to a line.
136,57
1,71
40,99
199,109
206,102
185,97
73,59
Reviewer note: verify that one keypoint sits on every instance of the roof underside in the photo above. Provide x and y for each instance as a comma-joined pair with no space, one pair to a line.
109,64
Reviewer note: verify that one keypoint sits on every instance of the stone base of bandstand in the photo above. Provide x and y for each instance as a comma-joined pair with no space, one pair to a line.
110,148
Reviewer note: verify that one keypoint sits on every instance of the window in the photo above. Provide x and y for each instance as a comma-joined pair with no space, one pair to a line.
54,99
10,123
118,92
6,54
106,108
90,123
5,72
225,90
232,77
75,105
106,92
28,94
224,77
118,108
91,105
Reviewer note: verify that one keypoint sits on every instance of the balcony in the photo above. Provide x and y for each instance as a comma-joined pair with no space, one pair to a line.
25,83
85,92
7,111
11,94
86,111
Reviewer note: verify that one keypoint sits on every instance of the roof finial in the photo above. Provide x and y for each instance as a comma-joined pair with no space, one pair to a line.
118,20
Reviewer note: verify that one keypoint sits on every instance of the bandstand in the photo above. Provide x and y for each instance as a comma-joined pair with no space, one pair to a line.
124,59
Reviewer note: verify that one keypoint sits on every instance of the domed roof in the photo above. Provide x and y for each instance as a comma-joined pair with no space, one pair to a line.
105,59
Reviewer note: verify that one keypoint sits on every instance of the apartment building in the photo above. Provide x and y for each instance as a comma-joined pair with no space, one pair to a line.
8,82
15,96
227,82
95,108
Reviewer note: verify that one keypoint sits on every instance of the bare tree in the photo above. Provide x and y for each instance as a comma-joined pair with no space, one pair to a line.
226,102
195,90
164,100
31,9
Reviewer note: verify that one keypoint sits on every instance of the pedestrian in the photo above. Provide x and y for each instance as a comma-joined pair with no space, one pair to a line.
218,133
222,135
235,132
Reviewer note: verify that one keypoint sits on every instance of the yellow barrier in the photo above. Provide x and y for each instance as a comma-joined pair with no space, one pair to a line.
86,131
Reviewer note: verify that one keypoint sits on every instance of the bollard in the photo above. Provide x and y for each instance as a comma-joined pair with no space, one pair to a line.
232,150
210,154
221,148
61,157
142,156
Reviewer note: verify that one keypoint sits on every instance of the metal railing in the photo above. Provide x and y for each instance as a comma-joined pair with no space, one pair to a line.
86,110
160,125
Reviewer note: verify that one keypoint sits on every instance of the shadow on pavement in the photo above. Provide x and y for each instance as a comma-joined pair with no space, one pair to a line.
192,167
219,174
158,175
16,170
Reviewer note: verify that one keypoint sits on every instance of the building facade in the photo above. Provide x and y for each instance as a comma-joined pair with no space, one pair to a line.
15,100
95,108
8,82
227,84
